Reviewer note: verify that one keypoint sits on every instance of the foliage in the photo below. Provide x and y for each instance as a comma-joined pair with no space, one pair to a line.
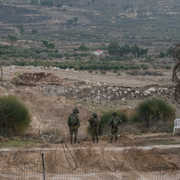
161,55
34,31
116,50
150,111
21,28
34,2
50,46
82,65
104,120
12,38
70,21
75,19
59,4
14,116
113,48
13,52
83,48
47,3
70,4
169,51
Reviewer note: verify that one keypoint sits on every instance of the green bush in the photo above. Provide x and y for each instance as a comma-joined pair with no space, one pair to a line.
151,111
104,120
14,116
83,48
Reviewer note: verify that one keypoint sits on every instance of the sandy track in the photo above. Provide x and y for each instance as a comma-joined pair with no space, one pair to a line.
112,149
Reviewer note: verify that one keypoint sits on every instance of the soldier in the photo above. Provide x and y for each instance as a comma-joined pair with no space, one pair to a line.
73,123
94,123
114,123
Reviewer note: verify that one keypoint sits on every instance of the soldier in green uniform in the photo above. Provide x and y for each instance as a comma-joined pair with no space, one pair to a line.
73,123
94,123
114,123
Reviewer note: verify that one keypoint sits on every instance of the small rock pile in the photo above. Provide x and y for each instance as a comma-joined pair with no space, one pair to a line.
39,78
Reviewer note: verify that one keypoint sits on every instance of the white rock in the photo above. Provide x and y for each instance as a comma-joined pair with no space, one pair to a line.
125,92
98,84
76,71
137,92
123,99
128,89
165,89
147,92
152,89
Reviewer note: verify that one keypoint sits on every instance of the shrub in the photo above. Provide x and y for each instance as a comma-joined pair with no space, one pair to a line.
168,67
162,127
104,120
151,111
14,116
83,48
34,31
103,72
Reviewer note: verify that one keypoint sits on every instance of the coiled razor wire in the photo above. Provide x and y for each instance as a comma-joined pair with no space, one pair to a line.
176,73
1,70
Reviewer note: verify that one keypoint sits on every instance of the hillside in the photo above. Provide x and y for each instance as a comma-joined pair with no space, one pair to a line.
97,19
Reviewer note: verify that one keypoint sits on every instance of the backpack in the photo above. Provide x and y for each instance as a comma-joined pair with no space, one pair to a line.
115,122
73,120
95,122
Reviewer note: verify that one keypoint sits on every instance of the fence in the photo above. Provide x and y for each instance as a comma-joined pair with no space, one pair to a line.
99,170
86,163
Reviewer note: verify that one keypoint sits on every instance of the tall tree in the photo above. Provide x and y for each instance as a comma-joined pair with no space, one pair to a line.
135,50
113,48
75,19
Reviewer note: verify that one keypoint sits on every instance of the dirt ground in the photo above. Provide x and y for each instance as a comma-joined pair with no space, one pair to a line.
122,80
85,160
134,157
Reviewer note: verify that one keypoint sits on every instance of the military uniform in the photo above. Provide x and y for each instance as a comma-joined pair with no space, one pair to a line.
73,123
94,123
114,122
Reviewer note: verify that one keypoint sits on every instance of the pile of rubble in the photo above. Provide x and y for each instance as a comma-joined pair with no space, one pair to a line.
34,79
108,93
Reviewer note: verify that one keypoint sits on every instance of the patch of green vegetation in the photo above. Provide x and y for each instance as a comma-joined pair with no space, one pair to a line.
14,115
16,143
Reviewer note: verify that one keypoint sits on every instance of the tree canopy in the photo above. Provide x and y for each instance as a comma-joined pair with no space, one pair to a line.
116,50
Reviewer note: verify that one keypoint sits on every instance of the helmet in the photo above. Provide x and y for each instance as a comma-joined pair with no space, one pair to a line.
94,114
114,114
75,110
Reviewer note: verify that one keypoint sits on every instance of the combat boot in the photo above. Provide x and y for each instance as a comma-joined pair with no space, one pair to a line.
93,140
97,140
111,140
75,139
71,140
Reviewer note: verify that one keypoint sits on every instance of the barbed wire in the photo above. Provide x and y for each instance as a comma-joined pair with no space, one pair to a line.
176,73
86,158
1,70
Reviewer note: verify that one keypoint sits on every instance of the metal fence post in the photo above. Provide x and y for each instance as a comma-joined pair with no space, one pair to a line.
43,164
